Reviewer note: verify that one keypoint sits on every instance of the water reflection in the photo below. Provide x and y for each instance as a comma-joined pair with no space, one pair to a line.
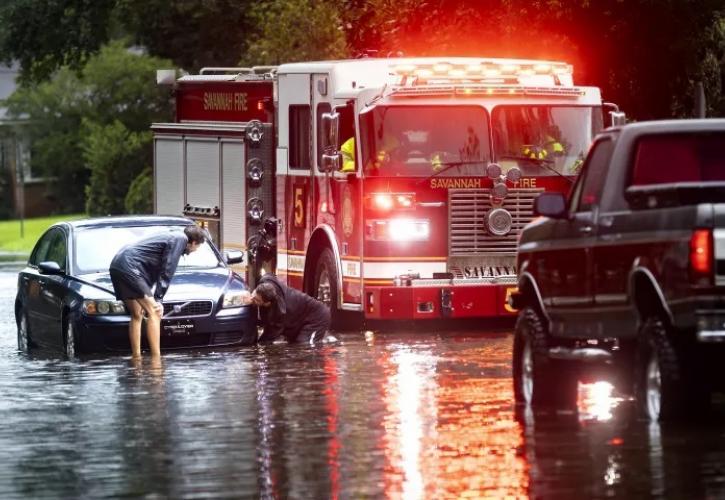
398,415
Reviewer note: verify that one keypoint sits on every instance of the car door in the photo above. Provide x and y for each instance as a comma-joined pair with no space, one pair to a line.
29,287
571,273
53,290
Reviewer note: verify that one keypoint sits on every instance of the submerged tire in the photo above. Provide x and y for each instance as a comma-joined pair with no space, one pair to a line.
23,333
69,339
667,387
538,380
325,288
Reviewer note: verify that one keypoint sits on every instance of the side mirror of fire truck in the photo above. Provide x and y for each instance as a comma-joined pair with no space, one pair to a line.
331,158
617,118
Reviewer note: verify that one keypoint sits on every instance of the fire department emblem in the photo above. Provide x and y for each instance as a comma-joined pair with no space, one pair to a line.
347,212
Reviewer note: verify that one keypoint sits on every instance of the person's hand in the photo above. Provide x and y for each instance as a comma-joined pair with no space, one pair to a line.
246,298
159,307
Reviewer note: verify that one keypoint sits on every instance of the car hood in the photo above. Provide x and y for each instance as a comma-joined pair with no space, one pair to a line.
186,284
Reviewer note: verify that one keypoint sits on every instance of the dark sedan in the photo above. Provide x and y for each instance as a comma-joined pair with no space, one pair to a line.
65,298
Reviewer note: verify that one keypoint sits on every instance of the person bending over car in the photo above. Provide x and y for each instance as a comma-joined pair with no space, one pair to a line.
288,312
139,266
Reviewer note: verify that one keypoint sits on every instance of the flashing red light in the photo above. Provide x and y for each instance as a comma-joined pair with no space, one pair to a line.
260,105
386,202
701,254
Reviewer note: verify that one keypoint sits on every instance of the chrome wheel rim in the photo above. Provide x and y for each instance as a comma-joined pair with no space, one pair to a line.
23,334
527,372
323,288
654,389
70,342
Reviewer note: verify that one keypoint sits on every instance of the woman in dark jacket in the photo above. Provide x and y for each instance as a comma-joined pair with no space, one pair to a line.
138,267
290,313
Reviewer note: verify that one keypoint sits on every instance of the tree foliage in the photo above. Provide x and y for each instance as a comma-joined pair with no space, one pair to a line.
47,34
115,156
296,30
115,86
139,199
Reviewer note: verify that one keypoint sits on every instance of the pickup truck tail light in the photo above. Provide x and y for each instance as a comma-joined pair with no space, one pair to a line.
701,257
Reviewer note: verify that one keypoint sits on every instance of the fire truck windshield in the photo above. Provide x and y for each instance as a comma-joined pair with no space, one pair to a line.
544,140
418,141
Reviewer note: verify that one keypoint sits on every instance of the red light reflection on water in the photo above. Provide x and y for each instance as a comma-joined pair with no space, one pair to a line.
447,434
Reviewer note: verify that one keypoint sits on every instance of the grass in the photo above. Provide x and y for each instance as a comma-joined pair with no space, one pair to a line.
10,240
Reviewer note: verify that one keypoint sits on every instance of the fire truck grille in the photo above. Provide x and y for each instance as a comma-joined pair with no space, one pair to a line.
468,235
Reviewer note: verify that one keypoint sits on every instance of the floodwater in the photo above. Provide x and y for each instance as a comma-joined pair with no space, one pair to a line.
407,415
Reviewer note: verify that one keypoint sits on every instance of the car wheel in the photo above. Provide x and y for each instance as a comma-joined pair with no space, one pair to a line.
666,387
69,339
325,285
538,380
23,335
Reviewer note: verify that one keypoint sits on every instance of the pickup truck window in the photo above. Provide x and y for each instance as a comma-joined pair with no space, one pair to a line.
670,158
589,188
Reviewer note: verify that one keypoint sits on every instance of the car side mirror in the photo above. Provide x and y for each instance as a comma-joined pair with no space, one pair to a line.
551,205
50,268
233,257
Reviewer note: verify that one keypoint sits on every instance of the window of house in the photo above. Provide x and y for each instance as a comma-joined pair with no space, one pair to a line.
299,137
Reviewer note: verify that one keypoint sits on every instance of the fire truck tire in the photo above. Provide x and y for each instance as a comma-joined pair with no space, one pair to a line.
538,380
325,285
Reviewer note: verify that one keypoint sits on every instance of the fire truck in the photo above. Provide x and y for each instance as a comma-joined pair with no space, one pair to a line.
395,188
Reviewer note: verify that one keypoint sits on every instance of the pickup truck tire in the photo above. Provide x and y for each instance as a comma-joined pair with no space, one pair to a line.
538,380
667,387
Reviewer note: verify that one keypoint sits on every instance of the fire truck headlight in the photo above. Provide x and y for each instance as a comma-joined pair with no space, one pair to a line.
408,230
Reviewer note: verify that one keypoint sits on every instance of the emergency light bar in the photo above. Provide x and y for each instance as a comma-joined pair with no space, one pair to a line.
487,90
478,72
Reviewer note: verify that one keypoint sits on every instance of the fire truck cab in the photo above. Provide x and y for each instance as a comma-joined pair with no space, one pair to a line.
398,187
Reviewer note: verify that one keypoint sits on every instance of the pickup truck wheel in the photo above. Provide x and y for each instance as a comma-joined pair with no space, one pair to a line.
538,380
666,386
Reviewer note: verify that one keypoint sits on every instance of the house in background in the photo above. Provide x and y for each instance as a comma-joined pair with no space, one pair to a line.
22,194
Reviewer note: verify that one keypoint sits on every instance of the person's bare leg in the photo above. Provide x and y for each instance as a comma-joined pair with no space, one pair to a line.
134,326
153,325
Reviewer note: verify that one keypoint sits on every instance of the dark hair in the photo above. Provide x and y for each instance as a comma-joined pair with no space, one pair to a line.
195,234
267,291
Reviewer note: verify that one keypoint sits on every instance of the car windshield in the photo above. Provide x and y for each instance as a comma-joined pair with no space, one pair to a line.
544,140
419,141
96,247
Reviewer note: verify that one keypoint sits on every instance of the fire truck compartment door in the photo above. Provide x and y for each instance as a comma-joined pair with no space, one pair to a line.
169,175
202,172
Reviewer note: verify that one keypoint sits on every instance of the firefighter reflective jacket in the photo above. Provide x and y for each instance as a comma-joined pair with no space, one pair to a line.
348,155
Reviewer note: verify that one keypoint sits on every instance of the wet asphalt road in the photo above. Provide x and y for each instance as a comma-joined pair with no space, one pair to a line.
396,415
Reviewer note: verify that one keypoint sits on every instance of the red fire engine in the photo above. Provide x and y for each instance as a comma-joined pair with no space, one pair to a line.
398,186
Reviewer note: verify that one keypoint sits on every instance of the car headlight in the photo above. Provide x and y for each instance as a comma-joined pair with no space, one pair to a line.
103,307
233,299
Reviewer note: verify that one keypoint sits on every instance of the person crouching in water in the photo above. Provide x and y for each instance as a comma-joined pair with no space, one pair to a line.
288,312
137,267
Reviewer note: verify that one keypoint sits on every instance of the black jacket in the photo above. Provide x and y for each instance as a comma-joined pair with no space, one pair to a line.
292,313
153,259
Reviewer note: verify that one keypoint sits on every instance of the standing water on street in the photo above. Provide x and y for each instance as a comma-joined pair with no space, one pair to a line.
406,414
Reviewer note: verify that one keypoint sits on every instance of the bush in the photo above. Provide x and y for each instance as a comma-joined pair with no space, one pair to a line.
115,156
139,199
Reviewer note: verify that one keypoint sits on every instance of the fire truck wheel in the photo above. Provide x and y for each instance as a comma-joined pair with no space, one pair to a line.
538,380
325,285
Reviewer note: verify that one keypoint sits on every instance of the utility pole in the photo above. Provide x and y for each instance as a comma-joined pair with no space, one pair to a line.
20,181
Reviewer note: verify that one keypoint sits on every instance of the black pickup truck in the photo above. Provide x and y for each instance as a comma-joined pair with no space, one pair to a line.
627,273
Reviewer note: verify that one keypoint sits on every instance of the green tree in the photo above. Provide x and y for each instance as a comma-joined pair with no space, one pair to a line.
116,85
115,156
139,199
296,30
47,34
